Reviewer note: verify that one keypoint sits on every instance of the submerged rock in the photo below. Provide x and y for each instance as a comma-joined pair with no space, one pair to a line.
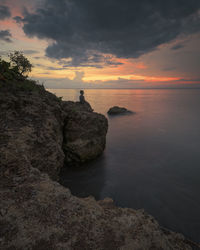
119,110
37,212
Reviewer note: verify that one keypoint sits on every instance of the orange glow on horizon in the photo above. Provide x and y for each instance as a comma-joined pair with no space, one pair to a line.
162,79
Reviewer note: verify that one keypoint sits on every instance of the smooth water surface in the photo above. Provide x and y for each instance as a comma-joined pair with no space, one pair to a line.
152,158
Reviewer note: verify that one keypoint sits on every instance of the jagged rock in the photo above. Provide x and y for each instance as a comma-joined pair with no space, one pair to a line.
84,133
119,110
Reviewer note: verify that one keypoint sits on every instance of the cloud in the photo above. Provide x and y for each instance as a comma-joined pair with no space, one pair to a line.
177,46
5,36
53,68
195,80
89,59
38,57
121,83
30,52
18,19
79,83
4,12
86,31
169,69
79,76
64,83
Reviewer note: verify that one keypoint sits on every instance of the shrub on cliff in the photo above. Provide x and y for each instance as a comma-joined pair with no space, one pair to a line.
20,63
13,74
17,68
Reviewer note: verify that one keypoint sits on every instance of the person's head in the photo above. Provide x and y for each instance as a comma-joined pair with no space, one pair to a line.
81,92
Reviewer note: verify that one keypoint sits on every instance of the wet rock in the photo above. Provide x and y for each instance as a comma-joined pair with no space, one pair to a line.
119,111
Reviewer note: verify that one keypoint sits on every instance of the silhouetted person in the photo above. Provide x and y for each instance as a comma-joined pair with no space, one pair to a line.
81,97
86,105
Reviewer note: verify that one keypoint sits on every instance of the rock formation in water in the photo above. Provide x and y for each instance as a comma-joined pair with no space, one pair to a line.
84,133
119,111
36,212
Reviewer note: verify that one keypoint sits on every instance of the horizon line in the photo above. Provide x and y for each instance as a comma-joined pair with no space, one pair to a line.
124,88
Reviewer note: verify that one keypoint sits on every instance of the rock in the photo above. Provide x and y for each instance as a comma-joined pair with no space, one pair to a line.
42,214
69,106
38,213
118,111
84,134
31,133
39,130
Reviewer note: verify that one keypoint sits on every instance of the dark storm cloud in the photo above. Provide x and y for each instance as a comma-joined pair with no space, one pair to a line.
4,12
124,28
18,19
5,36
89,60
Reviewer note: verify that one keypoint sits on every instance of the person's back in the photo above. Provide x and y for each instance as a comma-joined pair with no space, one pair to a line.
86,105
81,97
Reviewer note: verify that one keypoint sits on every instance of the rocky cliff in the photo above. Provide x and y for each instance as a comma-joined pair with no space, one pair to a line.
38,132
84,133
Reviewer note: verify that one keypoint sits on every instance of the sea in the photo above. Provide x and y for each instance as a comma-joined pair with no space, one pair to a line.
152,158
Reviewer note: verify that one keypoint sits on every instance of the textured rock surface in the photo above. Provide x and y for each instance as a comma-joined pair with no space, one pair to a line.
84,133
37,212
41,214
119,110
31,131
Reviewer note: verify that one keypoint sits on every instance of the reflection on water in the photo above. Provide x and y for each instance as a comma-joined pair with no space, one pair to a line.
152,158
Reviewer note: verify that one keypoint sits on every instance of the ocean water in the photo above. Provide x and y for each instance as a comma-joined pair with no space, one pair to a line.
152,158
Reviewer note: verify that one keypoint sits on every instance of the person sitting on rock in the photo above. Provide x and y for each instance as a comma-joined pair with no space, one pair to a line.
81,97
83,101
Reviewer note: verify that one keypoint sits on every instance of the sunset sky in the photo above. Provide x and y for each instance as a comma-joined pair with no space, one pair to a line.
107,43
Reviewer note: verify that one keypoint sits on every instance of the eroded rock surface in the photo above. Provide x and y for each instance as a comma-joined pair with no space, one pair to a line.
84,133
31,131
37,212
41,214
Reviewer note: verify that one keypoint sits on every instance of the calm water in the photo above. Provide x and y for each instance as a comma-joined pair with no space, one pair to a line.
152,158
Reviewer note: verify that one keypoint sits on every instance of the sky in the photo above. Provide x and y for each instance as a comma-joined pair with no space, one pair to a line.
107,43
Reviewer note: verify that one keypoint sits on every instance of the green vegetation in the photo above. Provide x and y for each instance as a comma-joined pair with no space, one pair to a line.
20,63
14,74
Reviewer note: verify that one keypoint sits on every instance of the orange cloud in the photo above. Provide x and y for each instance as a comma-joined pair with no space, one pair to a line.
140,65
161,79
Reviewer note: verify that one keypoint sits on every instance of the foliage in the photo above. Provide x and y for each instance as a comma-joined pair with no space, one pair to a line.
60,98
20,63
12,74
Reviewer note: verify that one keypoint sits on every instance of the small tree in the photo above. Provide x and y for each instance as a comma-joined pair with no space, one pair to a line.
20,63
